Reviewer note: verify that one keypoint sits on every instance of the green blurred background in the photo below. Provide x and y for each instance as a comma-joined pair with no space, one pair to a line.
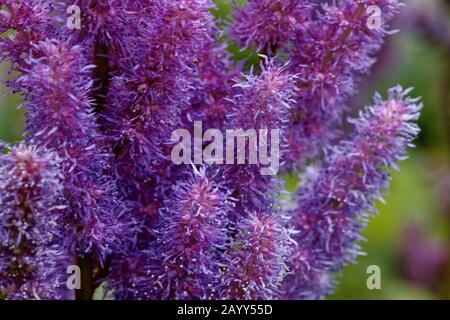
418,199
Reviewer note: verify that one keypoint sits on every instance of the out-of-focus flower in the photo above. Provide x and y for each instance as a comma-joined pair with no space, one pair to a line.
422,260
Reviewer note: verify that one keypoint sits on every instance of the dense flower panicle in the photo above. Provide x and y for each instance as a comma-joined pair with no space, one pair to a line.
263,101
57,88
151,90
32,260
101,22
191,238
216,75
269,24
23,24
329,55
330,45
104,30
334,207
153,86
331,51
257,258
259,102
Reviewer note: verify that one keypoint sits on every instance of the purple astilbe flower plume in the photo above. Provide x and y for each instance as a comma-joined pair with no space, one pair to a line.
59,116
257,258
260,101
31,255
191,238
30,23
330,45
263,101
334,207
153,86
102,22
268,24
216,75
55,80
329,54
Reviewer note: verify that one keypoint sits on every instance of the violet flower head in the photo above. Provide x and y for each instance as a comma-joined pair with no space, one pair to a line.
260,105
329,54
56,86
58,73
263,101
191,239
153,86
31,255
334,207
257,258
27,23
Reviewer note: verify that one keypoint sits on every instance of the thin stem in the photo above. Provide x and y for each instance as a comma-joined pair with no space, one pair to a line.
86,292
101,76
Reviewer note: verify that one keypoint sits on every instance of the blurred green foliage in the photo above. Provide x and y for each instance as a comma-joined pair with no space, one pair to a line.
11,118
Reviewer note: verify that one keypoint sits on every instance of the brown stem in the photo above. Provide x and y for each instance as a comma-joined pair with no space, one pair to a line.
86,292
101,76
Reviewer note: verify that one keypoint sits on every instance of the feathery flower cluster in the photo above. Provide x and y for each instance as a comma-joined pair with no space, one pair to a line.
191,241
334,207
258,256
31,203
94,183
59,117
